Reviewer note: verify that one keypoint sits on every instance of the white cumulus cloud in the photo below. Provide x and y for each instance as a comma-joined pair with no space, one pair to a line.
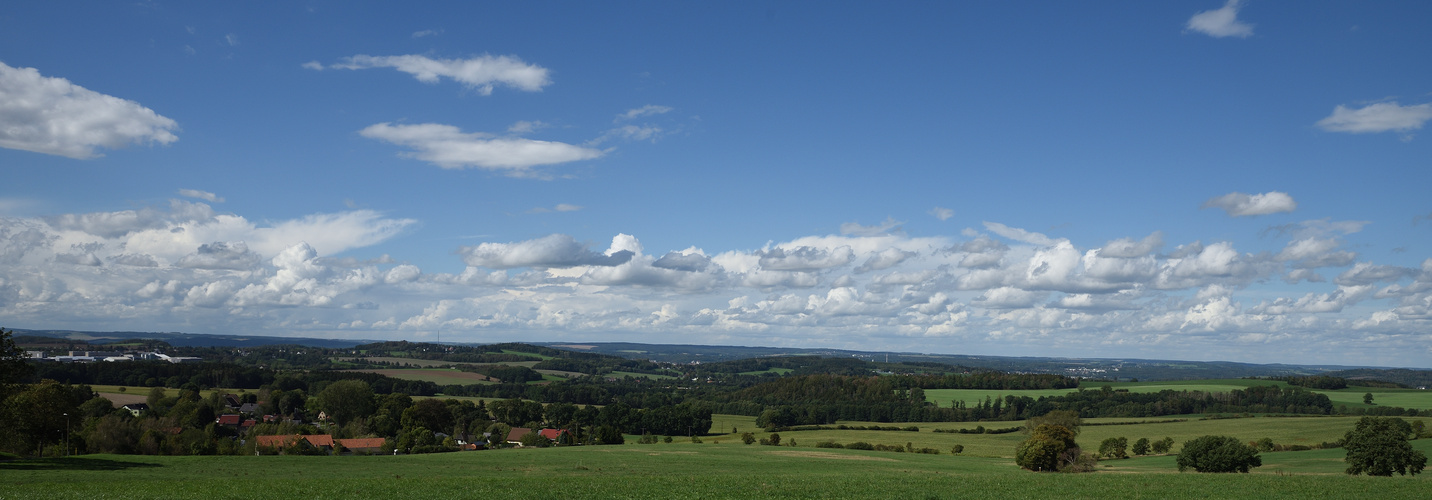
1379,117
552,251
53,116
1222,22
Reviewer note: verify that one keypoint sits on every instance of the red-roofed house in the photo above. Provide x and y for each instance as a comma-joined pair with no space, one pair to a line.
274,441
362,445
556,435
229,420
319,440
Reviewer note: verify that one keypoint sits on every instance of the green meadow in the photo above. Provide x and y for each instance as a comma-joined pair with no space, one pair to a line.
1307,431
677,470
639,375
1351,396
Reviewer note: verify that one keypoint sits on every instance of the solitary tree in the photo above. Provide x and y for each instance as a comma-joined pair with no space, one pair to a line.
346,400
1047,447
1141,447
1378,447
1218,454
1367,398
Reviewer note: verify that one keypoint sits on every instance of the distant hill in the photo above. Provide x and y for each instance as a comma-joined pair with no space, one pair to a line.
1112,369
1089,368
1410,378
188,339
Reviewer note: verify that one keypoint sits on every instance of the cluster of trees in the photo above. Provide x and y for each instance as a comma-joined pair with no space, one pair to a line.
989,380
1218,454
598,364
155,374
506,373
1317,382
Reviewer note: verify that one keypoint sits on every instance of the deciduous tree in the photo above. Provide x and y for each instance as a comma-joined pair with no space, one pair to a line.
1141,447
1046,446
346,400
1378,447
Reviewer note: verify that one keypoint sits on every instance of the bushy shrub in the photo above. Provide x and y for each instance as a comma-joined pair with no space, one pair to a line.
1218,454
1163,445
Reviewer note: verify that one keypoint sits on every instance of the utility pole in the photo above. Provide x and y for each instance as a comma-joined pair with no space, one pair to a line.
67,434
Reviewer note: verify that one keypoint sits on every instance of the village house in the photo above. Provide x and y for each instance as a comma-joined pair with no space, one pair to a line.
514,436
136,409
362,445
322,442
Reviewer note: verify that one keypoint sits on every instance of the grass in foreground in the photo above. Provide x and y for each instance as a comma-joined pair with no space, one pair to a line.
657,471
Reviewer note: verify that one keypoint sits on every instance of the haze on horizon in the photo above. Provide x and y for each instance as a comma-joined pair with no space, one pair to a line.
1201,180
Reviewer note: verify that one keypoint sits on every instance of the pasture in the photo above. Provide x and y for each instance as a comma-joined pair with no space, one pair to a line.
1351,396
440,376
676,470
1307,431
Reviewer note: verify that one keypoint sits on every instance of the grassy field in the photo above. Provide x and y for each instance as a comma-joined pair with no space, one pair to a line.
428,363
440,376
1405,398
677,470
777,371
1305,431
533,354
1352,396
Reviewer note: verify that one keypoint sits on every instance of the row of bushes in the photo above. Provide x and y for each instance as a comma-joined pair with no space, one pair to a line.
981,430
843,427
1166,421
861,445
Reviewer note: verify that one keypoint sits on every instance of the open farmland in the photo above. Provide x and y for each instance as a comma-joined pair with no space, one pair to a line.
677,470
429,363
1307,431
440,376
1351,396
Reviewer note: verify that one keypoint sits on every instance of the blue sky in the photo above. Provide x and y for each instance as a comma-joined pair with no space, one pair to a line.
1192,180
